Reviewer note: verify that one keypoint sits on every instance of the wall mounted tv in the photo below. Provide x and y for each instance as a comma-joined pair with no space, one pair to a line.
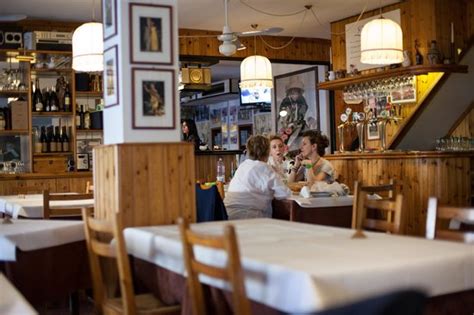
258,96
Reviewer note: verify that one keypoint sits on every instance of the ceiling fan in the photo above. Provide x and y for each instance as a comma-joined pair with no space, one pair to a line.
230,40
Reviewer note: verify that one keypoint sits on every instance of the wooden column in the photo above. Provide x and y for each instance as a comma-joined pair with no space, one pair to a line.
150,183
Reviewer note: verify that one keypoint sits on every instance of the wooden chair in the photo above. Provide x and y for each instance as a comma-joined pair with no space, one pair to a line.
98,235
58,212
232,272
219,185
436,229
89,188
390,205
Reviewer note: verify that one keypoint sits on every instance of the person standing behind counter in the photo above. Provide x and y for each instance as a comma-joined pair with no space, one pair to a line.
310,164
254,184
190,133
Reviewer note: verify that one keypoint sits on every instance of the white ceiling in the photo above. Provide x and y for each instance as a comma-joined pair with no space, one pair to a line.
209,14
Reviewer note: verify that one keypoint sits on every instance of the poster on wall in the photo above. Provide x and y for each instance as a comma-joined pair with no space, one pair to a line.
262,124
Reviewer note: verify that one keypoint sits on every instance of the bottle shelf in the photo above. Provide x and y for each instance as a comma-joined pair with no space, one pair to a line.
52,154
413,70
88,130
13,132
51,114
14,92
89,94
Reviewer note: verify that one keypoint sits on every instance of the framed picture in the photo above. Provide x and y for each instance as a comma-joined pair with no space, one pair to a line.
153,98
109,7
405,91
297,105
151,39
262,124
373,132
111,75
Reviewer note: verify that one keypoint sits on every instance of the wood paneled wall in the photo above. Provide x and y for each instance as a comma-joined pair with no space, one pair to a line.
73,182
465,126
422,20
423,174
150,183
206,165
301,49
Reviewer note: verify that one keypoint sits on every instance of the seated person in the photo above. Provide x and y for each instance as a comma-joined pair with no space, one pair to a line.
310,165
276,160
254,184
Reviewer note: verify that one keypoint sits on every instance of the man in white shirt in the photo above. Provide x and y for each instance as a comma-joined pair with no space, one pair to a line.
254,184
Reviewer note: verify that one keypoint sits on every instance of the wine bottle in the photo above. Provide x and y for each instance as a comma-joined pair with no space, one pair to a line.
38,99
67,99
65,140
38,148
47,100
78,117
57,139
52,144
43,140
53,100
81,114
87,119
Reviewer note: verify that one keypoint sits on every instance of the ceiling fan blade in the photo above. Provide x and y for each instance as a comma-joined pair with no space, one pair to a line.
197,36
12,17
267,31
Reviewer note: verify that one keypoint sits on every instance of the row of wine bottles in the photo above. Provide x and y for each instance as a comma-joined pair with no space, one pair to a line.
48,101
51,139
83,118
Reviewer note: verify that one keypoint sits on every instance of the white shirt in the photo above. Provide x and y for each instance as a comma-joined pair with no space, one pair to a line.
281,168
252,189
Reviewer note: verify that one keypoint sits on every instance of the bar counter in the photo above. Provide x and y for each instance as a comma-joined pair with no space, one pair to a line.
446,175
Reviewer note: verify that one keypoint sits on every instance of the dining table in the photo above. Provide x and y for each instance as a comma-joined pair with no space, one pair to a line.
31,205
11,301
46,260
323,210
294,267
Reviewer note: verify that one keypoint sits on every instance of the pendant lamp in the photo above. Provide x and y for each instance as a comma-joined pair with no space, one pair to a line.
88,48
381,42
256,71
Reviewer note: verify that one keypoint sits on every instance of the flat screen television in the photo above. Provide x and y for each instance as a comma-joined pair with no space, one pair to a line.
256,96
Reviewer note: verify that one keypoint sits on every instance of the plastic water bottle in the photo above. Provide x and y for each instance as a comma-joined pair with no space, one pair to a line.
220,170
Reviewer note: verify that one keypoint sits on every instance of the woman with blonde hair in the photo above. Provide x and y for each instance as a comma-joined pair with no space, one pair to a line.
277,159
254,184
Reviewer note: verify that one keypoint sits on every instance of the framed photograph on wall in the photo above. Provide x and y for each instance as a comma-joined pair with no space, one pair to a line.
111,77
153,98
297,105
373,132
404,90
151,29
109,8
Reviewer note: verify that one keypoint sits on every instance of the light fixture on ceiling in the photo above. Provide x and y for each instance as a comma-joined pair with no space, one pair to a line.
256,71
381,42
88,46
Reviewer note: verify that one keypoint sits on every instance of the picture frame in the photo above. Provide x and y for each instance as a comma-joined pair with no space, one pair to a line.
151,34
111,77
296,94
153,98
373,132
405,93
262,124
109,8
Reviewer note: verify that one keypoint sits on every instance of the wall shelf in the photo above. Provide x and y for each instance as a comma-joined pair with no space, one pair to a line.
13,92
13,132
89,94
52,154
51,114
412,70
88,130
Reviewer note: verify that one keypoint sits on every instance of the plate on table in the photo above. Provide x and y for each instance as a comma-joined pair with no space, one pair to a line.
296,187
317,194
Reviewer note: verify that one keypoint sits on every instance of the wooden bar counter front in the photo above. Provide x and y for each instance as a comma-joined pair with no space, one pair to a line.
445,175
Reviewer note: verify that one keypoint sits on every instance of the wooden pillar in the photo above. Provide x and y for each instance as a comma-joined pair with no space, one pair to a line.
150,183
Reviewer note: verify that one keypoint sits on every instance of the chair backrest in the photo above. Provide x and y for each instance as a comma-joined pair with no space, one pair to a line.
57,211
99,234
231,272
456,215
390,205
209,204
89,188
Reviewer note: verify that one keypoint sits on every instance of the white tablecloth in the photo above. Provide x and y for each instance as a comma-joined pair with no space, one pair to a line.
296,267
323,202
31,206
11,301
37,234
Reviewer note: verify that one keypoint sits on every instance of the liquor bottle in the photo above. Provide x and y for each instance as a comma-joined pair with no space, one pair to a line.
38,99
81,114
65,139
53,100
87,119
220,170
52,143
78,117
67,99
2,121
418,55
57,139
43,140
37,144
46,100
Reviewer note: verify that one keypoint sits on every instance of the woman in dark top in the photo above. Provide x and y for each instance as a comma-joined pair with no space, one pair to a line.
190,133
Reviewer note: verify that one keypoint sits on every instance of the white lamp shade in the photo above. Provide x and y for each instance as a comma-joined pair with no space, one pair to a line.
88,48
256,71
381,42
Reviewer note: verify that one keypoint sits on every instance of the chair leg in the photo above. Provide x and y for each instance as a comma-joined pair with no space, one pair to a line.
74,303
